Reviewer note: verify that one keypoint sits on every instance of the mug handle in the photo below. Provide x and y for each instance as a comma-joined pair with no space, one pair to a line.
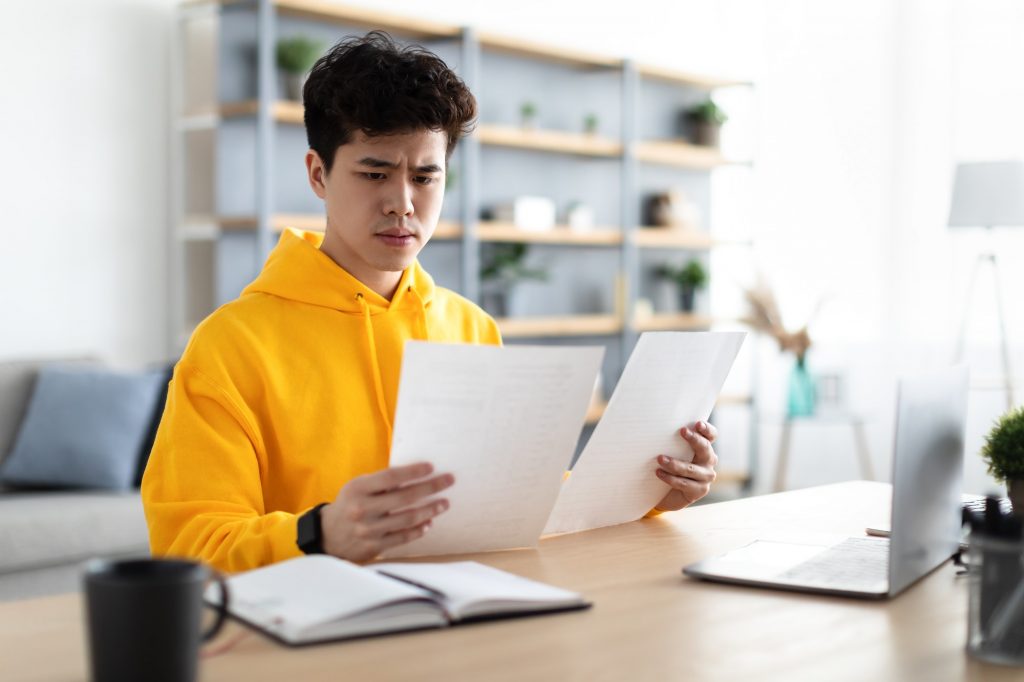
222,607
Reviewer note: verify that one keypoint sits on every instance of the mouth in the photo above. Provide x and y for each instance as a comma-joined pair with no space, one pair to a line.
397,236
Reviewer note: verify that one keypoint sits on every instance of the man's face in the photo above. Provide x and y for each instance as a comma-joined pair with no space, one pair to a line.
383,197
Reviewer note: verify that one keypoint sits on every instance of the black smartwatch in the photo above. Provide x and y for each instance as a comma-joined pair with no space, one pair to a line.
310,533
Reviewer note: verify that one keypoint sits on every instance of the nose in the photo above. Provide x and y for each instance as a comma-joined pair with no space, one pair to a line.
398,201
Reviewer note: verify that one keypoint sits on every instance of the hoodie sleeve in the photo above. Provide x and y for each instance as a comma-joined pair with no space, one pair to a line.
202,490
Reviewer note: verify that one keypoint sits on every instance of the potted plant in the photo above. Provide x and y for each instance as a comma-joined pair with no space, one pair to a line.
705,122
503,270
688,279
295,57
528,115
1004,455
591,123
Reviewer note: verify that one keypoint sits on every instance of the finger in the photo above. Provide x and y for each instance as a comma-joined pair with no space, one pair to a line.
707,430
690,489
401,537
391,478
409,518
689,470
408,495
703,453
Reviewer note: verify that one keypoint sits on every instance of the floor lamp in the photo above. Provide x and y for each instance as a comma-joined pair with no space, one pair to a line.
988,195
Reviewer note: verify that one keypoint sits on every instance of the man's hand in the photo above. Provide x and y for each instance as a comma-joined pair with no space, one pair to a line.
374,512
692,480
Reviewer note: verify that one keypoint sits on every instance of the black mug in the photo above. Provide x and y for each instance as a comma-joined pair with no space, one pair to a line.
144,618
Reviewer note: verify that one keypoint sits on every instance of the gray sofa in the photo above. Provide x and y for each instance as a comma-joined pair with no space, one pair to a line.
47,535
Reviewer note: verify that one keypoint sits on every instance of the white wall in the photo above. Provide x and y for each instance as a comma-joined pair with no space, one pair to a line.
83,176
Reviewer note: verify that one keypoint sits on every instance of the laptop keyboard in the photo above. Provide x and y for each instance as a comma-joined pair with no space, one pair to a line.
978,506
855,563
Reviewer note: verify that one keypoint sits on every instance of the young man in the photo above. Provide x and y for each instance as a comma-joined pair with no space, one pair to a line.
277,429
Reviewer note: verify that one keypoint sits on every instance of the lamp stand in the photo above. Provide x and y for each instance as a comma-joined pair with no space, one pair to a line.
983,258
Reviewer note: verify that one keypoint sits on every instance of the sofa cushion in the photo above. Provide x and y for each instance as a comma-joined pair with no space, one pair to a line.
17,378
84,427
166,372
47,529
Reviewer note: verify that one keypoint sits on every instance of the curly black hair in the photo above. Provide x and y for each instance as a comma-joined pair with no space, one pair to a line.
372,84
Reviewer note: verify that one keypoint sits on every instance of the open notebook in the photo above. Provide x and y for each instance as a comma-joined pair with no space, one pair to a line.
320,598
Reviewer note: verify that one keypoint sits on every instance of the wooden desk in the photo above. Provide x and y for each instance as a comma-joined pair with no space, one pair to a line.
648,621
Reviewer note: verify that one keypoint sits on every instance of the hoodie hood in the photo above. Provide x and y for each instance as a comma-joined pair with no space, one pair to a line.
299,271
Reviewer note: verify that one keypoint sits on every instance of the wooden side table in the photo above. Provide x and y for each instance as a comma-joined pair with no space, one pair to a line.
854,421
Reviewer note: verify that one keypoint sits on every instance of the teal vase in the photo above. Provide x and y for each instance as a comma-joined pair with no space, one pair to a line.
800,402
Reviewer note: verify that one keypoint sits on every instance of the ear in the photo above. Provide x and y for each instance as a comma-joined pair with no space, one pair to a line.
316,173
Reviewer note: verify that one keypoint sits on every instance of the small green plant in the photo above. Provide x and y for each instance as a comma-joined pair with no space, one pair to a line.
506,265
527,112
590,123
1004,447
707,112
297,55
690,276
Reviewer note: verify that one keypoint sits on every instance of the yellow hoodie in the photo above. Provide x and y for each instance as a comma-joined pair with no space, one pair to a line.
283,396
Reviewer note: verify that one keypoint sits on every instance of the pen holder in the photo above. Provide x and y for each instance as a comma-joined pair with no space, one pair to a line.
996,603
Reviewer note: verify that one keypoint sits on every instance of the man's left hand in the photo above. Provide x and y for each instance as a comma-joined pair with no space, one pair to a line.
691,480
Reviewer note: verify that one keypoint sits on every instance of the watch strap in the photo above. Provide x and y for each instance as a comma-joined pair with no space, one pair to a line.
310,531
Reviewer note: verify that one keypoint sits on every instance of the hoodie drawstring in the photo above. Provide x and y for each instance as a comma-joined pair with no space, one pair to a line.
424,336
375,366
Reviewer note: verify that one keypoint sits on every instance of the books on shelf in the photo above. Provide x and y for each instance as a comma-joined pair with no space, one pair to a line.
319,598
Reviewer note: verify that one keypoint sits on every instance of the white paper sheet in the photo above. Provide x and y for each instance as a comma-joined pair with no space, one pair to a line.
672,379
503,420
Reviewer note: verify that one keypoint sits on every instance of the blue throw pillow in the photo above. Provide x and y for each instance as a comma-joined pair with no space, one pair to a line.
83,428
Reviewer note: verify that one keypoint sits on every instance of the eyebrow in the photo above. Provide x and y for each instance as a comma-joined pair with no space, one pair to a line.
381,163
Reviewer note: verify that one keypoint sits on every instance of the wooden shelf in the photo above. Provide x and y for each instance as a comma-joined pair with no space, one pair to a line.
322,10
731,477
316,223
492,231
734,399
668,238
278,222
548,140
526,48
690,79
671,322
570,325
282,111
682,154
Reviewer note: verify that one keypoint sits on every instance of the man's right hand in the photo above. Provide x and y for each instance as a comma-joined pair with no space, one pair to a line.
374,512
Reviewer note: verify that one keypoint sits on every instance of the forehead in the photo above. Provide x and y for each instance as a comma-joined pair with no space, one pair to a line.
420,146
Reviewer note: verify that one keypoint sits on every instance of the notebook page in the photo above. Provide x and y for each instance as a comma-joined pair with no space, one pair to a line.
672,379
300,593
465,583
505,422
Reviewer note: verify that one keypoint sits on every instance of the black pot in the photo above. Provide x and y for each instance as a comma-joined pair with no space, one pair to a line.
704,133
686,295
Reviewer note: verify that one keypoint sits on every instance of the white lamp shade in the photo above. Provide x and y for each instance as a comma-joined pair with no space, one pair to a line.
988,194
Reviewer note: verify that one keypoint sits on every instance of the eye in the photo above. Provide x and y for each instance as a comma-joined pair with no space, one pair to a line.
423,179
373,176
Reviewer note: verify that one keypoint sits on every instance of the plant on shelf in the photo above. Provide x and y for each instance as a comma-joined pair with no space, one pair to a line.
1004,455
688,278
295,57
705,122
528,115
504,268
591,123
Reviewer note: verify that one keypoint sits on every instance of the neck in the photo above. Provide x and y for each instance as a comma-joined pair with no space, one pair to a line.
380,282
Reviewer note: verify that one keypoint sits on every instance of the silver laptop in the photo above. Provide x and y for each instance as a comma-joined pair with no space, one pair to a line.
927,474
